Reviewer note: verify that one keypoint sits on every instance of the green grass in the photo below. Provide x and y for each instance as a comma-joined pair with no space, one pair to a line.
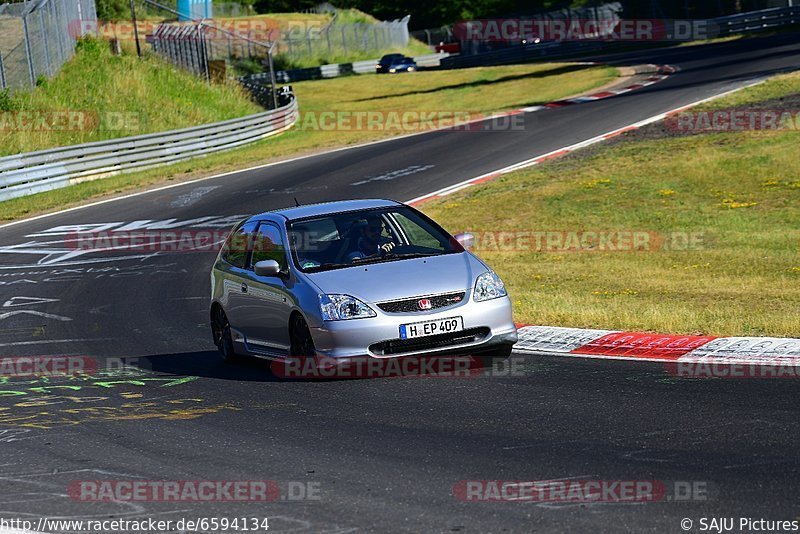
777,87
150,95
737,192
479,91
475,90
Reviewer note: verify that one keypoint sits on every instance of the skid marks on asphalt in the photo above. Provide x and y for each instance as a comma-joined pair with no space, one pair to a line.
103,242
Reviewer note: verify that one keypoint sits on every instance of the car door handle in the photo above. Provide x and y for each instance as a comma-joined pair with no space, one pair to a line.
244,287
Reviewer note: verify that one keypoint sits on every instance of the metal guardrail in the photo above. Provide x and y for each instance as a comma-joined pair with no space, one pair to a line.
522,53
754,21
338,69
35,172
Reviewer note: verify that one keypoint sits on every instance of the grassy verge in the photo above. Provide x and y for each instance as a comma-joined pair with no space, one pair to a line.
475,90
117,96
734,194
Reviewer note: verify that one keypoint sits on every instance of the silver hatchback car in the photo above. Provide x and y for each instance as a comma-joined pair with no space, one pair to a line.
361,278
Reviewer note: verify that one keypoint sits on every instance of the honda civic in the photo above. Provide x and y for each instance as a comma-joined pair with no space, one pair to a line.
360,278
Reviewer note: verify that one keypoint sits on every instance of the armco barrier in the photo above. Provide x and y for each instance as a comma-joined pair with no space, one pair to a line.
34,172
337,69
754,21
522,54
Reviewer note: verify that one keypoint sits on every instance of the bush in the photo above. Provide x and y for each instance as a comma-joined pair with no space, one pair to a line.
89,45
7,102
113,9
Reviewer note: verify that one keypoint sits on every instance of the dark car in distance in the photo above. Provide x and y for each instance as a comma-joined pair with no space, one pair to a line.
393,63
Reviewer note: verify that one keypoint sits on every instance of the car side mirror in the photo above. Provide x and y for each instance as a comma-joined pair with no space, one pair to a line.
466,240
267,268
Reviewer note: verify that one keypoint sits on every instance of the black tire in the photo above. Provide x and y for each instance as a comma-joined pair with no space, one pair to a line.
221,330
496,356
302,344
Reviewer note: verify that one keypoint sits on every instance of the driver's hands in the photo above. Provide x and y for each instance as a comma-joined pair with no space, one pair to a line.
386,248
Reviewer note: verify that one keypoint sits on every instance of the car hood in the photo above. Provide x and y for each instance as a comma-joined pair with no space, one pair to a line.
402,278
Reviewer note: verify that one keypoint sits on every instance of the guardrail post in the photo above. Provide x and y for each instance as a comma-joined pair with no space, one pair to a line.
202,53
46,46
328,39
28,54
59,15
2,73
272,76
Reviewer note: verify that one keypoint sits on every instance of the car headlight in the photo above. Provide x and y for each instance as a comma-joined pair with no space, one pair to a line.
489,286
342,307
392,70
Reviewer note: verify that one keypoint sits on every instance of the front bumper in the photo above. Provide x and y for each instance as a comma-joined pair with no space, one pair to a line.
487,325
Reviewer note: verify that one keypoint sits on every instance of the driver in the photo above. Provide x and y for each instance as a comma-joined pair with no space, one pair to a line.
372,242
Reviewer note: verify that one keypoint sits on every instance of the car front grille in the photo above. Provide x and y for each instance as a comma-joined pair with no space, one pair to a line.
413,304
450,339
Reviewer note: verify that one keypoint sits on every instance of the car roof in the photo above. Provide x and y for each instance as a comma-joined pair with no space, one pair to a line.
327,208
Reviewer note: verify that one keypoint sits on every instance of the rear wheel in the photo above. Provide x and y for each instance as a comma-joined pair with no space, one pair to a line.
302,344
221,330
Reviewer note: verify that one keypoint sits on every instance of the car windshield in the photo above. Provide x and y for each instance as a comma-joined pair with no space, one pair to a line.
349,239
391,58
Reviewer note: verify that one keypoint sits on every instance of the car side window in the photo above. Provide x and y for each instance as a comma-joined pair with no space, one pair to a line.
269,245
236,246
418,233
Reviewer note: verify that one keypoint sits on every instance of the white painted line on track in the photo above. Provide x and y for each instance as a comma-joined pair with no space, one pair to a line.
530,109
43,341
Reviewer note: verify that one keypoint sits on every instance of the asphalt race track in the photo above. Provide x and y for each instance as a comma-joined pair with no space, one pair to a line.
382,454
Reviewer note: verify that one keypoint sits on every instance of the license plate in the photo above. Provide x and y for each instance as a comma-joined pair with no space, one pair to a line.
431,328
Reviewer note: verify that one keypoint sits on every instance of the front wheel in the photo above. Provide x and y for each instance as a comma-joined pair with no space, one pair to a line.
496,356
221,330
302,344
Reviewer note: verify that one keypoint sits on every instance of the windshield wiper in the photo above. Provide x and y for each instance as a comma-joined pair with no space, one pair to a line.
372,259
408,255
328,267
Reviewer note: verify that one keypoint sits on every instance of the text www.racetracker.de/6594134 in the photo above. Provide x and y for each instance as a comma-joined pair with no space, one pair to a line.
149,525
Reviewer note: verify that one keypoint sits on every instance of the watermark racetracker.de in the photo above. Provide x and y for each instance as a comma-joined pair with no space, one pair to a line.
409,121
46,366
558,241
89,491
536,30
585,240
734,120
69,120
583,491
